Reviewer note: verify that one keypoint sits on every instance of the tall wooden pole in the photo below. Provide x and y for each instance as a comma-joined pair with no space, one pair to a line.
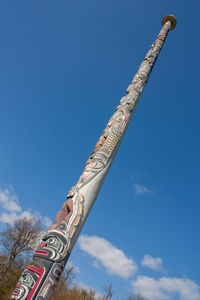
38,281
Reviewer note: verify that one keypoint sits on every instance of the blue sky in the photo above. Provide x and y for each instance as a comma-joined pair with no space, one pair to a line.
64,68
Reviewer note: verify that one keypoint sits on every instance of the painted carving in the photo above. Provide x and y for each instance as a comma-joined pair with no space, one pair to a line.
39,280
51,255
28,283
116,126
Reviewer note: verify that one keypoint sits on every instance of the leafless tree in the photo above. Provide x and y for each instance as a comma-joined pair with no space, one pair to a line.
64,284
108,292
17,239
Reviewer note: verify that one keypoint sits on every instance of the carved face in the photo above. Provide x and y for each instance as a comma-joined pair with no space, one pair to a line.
21,291
27,283
27,280
53,247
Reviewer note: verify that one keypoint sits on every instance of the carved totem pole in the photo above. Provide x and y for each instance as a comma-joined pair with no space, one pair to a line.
39,280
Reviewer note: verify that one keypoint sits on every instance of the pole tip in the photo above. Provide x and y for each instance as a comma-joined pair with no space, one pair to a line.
169,18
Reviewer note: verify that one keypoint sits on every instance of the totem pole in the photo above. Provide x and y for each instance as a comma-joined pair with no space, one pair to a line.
39,280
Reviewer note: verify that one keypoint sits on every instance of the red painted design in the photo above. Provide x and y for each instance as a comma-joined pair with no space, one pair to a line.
41,252
36,270
43,244
40,272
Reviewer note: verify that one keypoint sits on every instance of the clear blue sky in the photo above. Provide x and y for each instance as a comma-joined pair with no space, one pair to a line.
64,65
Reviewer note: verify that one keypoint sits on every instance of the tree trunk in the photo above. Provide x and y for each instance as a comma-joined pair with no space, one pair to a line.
5,269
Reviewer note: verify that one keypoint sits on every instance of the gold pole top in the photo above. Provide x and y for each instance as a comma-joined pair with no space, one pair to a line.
169,18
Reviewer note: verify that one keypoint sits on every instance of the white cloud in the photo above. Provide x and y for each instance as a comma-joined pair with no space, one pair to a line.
154,263
140,189
9,200
11,210
165,288
111,258
8,217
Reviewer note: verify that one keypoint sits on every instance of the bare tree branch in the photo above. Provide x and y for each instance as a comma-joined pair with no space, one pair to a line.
17,239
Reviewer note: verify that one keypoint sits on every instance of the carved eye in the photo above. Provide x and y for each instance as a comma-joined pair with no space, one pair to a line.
51,240
26,279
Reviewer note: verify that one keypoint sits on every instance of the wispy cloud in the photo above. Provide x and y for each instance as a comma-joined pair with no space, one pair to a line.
165,287
11,209
9,200
154,263
111,258
140,189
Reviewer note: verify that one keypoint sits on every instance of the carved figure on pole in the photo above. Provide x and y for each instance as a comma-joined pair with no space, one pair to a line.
38,281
